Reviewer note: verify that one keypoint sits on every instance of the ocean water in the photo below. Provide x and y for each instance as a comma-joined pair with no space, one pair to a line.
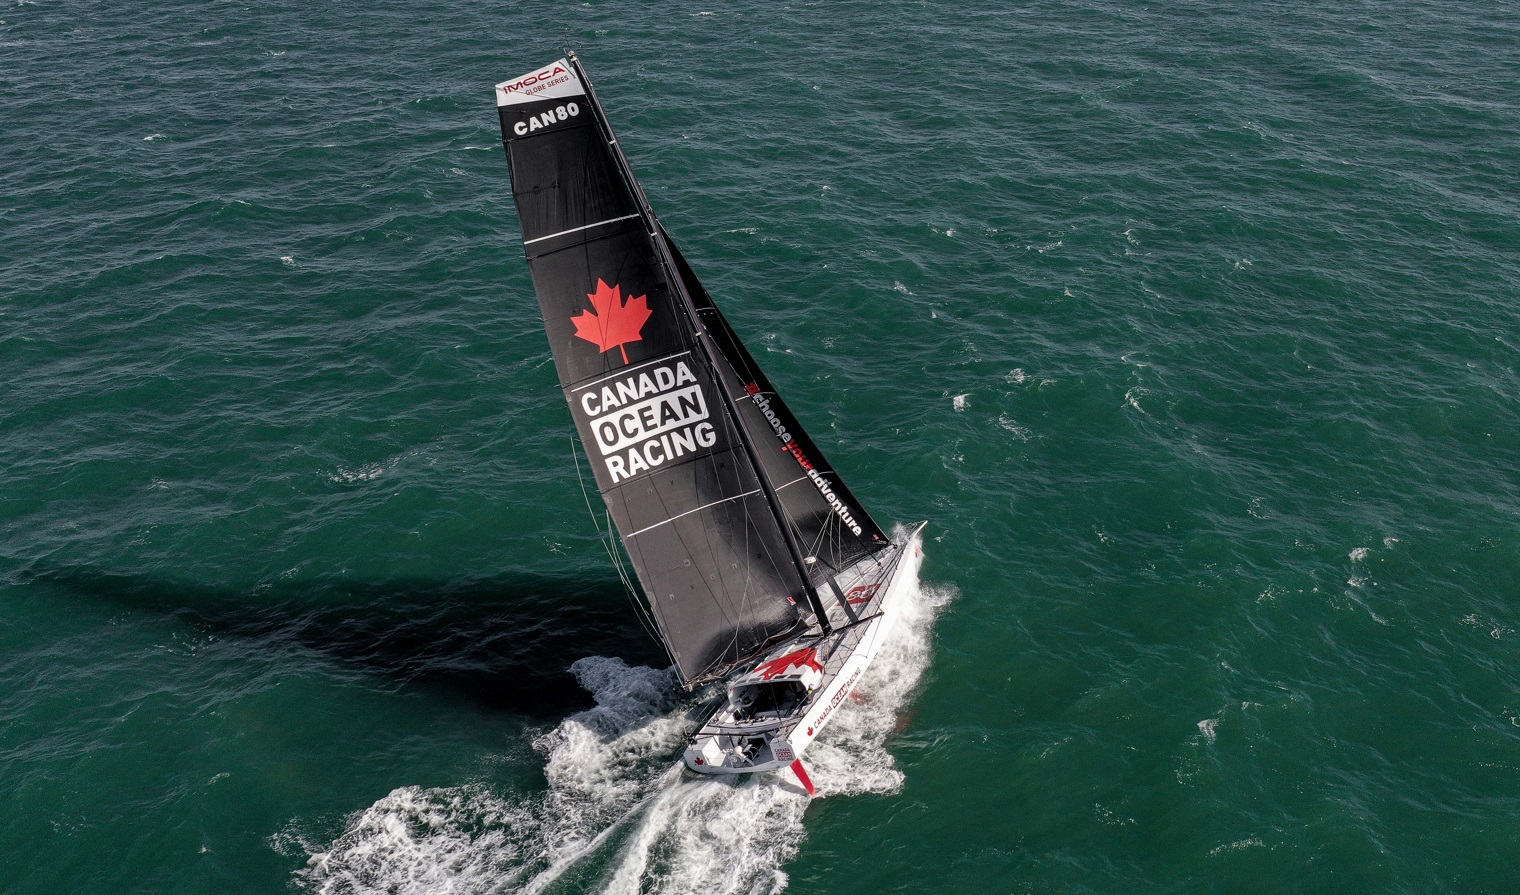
1192,328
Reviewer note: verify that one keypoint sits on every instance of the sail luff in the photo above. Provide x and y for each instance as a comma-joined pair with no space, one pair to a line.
678,285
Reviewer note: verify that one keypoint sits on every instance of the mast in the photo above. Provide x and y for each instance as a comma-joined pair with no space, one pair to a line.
704,340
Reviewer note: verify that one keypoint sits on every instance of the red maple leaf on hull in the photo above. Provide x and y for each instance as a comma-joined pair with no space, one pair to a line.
615,322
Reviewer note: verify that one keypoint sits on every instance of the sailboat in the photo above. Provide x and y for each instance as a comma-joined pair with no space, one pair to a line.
758,565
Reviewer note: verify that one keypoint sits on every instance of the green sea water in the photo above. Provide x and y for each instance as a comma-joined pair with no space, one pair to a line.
1192,328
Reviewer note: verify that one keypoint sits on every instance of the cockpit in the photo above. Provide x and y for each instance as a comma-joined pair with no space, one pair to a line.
768,699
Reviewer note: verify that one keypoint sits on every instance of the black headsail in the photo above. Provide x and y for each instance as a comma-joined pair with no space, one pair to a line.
832,527
651,395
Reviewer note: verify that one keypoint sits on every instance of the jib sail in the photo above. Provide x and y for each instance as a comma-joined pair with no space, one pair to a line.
830,525
652,398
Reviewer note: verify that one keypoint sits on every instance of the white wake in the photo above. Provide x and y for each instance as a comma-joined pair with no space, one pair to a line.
619,815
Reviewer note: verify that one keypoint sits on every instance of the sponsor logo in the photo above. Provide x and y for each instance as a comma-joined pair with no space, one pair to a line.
861,593
543,120
614,322
550,75
647,418
789,444
783,752
834,703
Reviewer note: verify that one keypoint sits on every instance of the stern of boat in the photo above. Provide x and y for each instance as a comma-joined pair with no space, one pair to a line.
737,754
775,710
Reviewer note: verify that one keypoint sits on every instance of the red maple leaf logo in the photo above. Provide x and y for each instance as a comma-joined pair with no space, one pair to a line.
615,322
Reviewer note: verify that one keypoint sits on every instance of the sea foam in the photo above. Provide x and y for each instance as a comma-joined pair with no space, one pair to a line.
619,815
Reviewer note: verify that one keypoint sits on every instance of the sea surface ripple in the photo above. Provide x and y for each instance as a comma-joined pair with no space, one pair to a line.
1193,329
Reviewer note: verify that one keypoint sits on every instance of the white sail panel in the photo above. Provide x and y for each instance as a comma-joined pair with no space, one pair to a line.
557,80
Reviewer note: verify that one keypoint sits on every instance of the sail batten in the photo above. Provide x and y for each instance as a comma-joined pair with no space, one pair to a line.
664,396
626,217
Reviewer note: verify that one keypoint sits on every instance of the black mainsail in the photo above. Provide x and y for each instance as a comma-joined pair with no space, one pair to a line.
730,515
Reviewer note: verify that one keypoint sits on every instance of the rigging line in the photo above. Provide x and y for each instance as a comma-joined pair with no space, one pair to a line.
605,533
817,543
608,543
735,613
724,609
792,482
733,619
640,610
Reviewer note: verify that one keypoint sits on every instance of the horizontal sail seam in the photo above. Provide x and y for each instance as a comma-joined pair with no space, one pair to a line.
626,370
626,217
689,512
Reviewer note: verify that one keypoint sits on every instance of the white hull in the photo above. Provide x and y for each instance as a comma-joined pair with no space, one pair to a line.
773,712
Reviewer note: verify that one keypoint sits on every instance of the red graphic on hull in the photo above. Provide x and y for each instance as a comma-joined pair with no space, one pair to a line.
615,322
800,658
861,593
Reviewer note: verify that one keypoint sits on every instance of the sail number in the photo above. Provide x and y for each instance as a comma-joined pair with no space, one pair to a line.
554,115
